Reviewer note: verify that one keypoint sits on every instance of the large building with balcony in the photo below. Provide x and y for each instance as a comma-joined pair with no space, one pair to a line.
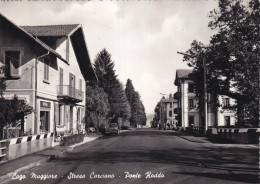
47,66
188,112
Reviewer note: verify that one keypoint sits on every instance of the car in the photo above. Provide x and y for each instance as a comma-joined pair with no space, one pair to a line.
112,129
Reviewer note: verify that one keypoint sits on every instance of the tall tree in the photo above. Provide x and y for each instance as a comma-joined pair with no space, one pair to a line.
97,102
159,110
104,66
232,58
129,91
138,115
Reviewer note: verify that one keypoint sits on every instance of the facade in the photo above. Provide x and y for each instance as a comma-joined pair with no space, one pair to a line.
170,104
188,112
47,66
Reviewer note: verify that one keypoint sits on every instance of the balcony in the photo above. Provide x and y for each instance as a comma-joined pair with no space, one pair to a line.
177,95
177,110
67,92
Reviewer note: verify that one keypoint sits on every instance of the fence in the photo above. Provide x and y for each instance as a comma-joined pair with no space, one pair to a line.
235,135
17,147
3,150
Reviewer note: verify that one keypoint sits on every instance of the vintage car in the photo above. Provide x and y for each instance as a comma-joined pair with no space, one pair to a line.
112,129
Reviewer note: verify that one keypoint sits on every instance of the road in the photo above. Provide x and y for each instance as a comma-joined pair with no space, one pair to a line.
148,156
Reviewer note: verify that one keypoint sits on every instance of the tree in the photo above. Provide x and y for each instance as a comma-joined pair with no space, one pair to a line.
11,111
232,58
97,102
129,91
2,82
159,110
104,66
138,115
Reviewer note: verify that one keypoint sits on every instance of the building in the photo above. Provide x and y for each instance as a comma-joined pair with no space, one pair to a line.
170,104
188,113
47,66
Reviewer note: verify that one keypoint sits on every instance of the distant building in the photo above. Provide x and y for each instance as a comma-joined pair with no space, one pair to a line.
170,104
47,66
188,113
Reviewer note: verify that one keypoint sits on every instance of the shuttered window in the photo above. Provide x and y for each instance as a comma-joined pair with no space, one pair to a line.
80,84
12,62
46,69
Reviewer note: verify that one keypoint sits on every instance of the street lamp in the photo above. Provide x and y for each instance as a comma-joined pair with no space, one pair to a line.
205,88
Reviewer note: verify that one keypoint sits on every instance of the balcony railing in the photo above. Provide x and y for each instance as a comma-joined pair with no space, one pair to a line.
69,92
177,95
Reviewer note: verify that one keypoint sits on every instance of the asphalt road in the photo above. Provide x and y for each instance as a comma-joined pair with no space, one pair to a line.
149,156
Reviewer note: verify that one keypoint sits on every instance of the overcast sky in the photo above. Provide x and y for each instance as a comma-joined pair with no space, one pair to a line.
142,36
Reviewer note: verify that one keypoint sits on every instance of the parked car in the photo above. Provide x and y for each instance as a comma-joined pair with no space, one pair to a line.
112,129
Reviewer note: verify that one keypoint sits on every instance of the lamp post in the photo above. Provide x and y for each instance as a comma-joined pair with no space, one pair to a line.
205,88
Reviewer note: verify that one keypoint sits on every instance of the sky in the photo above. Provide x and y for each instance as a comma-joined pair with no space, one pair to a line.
142,36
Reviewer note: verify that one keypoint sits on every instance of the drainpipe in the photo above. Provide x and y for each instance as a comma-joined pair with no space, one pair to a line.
35,93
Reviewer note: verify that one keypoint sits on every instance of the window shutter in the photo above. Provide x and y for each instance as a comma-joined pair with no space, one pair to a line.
12,60
56,114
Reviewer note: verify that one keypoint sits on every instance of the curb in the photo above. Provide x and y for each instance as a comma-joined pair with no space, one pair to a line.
191,140
7,177
181,136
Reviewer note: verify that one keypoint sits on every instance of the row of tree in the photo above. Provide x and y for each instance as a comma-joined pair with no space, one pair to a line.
108,99
160,114
232,58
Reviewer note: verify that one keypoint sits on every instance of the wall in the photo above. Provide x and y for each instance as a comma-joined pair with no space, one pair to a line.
23,87
235,135
48,91
186,112
222,113
25,145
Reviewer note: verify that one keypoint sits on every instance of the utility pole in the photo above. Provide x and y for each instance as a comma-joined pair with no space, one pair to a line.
205,94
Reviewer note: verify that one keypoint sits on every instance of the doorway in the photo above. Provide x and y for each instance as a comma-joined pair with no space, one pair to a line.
45,121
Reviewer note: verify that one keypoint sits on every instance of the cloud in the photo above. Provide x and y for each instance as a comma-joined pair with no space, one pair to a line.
142,36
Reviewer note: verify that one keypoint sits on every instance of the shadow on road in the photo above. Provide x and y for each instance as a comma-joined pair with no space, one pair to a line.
246,178
140,132
220,163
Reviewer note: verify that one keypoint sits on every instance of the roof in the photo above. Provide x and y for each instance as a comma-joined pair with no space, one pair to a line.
171,100
51,30
74,31
183,73
39,42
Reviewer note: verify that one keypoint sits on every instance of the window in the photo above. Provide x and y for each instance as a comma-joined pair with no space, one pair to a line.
170,113
61,81
191,121
191,103
80,84
170,105
227,120
46,69
12,61
191,88
226,102
60,114
61,76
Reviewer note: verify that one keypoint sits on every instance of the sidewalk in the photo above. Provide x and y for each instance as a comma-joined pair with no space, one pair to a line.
34,159
201,139
191,138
